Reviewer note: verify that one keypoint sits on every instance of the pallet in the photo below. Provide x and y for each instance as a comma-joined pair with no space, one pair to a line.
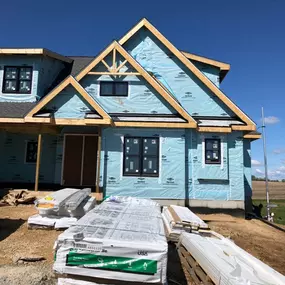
197,273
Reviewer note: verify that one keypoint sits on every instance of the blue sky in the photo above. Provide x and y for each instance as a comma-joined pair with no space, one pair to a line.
248,34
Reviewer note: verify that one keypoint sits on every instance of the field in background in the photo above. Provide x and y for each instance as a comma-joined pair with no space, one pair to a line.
276,190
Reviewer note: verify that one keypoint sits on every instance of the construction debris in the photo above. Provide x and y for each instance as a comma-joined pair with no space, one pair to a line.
121,239
179,219
16,197
213,259
62,208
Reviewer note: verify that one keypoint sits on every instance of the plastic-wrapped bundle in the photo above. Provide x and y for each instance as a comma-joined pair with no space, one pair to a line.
124,236
70,281
226,263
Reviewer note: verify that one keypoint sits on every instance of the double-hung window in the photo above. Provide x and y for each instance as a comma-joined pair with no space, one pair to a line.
17,79
114,88
212,151
141,156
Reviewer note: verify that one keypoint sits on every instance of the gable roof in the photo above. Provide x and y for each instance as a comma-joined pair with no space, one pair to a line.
116,47
206,81
68,81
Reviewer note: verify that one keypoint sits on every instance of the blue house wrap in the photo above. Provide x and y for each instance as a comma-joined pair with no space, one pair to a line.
141,119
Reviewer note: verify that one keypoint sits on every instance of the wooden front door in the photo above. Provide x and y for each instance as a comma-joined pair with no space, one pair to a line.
80,160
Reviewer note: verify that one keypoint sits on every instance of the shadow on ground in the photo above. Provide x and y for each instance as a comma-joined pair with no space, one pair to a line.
9,226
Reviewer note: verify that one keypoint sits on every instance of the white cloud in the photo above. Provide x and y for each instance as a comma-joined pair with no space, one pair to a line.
257,170
279,150
271,120
255,162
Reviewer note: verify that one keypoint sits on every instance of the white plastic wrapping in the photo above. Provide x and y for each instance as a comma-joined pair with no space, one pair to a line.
70,281
121,239
227,264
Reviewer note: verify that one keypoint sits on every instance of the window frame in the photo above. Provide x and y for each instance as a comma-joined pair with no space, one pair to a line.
113,83
26,151
141,156
18,79
219,151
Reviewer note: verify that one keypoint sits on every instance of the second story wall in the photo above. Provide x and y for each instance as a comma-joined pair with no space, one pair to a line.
44,72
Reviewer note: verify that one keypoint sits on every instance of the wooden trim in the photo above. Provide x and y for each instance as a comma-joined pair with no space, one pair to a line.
99,146
38,162
206,81
219,64
244,128
214,129
69,80
12,120
141,71
153,125
35,51
79,122
252,136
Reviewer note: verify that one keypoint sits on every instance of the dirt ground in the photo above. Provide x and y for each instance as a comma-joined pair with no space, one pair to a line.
261,240
276,190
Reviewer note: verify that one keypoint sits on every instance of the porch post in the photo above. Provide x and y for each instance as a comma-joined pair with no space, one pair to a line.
38,161
98,163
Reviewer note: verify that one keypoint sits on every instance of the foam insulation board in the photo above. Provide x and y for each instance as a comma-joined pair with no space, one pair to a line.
121,239
177,78
226,263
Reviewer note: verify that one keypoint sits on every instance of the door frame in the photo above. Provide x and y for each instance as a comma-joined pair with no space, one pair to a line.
82,155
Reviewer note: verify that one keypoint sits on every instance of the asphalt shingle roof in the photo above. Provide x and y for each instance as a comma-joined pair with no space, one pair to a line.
79,63
15,109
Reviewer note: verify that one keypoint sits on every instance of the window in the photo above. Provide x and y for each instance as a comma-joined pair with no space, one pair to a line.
17,79
114,88
212,151
31,152
141,156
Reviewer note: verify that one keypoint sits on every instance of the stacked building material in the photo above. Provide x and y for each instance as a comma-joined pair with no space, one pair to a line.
223,262
62,208
179,219
122,239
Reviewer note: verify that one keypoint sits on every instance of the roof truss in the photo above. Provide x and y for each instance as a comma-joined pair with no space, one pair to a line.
106,119
114,70
206,81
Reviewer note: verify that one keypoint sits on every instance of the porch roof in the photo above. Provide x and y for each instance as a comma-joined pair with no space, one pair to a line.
15,109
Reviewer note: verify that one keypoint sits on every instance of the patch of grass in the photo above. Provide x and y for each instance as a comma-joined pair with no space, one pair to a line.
279,211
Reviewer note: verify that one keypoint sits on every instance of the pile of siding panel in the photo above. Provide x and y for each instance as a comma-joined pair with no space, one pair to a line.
121,240
179,219
226,263
62,208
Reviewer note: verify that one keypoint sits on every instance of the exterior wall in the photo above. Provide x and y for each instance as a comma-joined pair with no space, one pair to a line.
13,151
45,70
192,94
69,104
142,97
215,182
171,181
247,175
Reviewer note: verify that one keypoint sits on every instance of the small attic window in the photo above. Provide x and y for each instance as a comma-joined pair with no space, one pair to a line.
114,88
17,79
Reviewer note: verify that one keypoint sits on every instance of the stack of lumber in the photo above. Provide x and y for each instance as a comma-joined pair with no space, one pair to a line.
179,219
214,259
121,240
62,208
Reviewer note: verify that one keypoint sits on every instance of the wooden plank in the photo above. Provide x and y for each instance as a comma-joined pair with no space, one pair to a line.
243,128
12,120
38,162
98,162
114,67
153,124
206,81
252,136
113,73
105,63
215,129
121,65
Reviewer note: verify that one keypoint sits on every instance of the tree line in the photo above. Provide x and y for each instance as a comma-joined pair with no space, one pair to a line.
254,178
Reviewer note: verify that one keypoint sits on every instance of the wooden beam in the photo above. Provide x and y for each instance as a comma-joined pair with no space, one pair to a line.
98,161
153,124
114,67
38,162
105,63
243,128
204,79
214,129
252,136
121,65
114,73
12,120
77,122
